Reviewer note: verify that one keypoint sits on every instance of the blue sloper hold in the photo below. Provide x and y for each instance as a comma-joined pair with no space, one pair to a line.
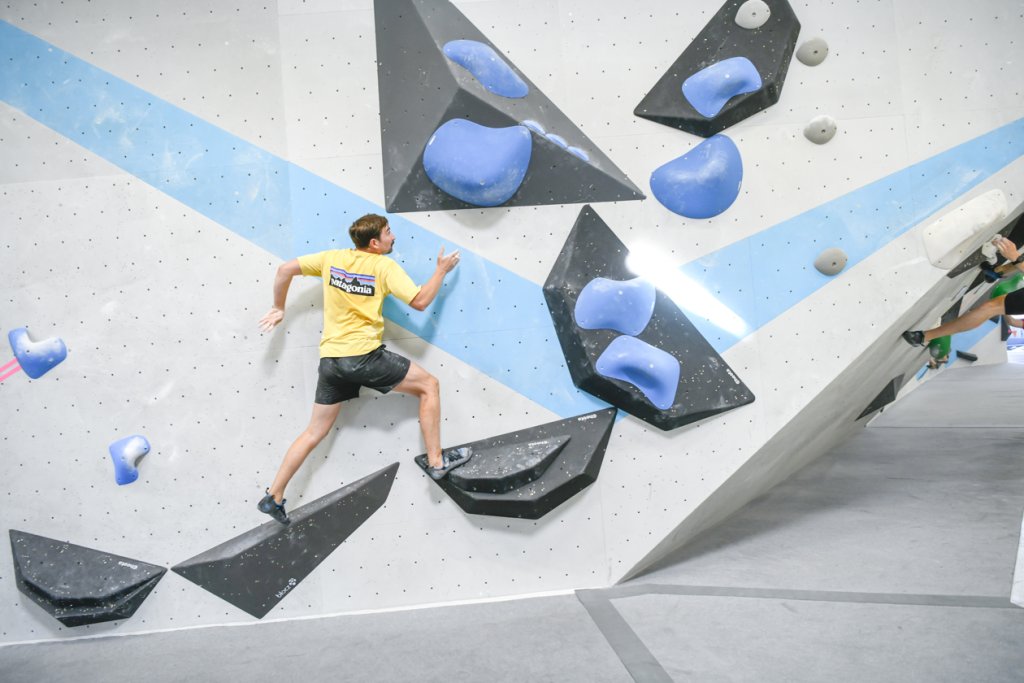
126,454
621,305
534,126
558,140
480,165
487,66
654,372
36,358
580,153
702,183
709,89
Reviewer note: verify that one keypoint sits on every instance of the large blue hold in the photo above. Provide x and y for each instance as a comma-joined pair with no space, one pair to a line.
479,165
702,183
654,372
621,305
710,88
126,454
487,66
36,358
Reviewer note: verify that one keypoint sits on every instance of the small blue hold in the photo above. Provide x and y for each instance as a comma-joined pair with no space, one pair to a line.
487,67
558,140
126,454
710,88
702,183
654,372
36,358
580,153
625,306
479,165
534,126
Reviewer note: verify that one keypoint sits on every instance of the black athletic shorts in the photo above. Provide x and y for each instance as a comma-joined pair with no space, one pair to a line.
1014,302
340,378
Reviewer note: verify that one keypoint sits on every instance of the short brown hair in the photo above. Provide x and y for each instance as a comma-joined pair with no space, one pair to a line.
366,228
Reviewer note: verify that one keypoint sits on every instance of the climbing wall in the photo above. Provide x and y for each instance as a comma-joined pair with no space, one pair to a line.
158,161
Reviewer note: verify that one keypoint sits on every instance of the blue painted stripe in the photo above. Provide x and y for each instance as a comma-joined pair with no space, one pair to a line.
965,341
488,317
763,275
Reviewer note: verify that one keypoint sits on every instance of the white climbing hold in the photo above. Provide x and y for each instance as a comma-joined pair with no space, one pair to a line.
753,14
831,261
820,129
958,233
812,52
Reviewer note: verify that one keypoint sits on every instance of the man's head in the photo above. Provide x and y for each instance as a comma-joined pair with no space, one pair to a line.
373,234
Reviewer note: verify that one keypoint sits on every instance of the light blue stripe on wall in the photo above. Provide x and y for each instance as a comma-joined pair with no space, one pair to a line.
766,274
488,317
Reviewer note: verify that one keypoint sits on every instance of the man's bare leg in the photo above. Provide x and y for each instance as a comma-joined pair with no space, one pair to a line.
319,426
969,320
420,383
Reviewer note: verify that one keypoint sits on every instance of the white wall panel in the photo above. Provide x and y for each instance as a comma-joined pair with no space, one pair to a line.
159,304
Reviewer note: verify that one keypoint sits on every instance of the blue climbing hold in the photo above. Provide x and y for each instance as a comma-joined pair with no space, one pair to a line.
621,305
126,454
534,126
654,372
702,183
487,66
36,358
580,153
710,88
479,165
558,140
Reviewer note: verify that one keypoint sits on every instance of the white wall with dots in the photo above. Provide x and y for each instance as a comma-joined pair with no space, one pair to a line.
158,303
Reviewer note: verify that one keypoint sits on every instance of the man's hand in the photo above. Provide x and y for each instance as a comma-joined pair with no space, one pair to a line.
447,263
271,319
1007,248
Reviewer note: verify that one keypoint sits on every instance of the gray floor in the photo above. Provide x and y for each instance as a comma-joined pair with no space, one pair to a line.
890,559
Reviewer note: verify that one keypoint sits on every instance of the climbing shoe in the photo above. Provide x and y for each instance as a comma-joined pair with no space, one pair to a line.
914,337
269,506
450,459
989,272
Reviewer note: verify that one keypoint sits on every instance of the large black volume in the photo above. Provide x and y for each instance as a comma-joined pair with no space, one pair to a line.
530,472
256,570
769,48
79,585
707,385
420,89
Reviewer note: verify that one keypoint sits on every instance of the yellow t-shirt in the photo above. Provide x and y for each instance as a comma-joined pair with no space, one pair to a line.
355,284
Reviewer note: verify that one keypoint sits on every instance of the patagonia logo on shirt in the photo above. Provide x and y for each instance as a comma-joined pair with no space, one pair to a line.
353,283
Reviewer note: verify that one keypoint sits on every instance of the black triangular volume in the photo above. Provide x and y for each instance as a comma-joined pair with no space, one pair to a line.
420,88
257,569
953,312
707,386
769,48
79,585
886,396
1013,229
530,472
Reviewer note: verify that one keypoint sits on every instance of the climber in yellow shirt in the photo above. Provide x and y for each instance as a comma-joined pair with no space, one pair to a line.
352,355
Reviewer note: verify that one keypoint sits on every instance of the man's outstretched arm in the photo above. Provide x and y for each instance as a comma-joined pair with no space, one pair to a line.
282,280
431,287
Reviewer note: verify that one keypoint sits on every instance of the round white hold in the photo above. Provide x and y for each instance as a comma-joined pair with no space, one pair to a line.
821,129
830,261
752,14
812,52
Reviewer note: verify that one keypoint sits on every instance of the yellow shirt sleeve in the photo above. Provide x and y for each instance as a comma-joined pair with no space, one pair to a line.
398,283
312,264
